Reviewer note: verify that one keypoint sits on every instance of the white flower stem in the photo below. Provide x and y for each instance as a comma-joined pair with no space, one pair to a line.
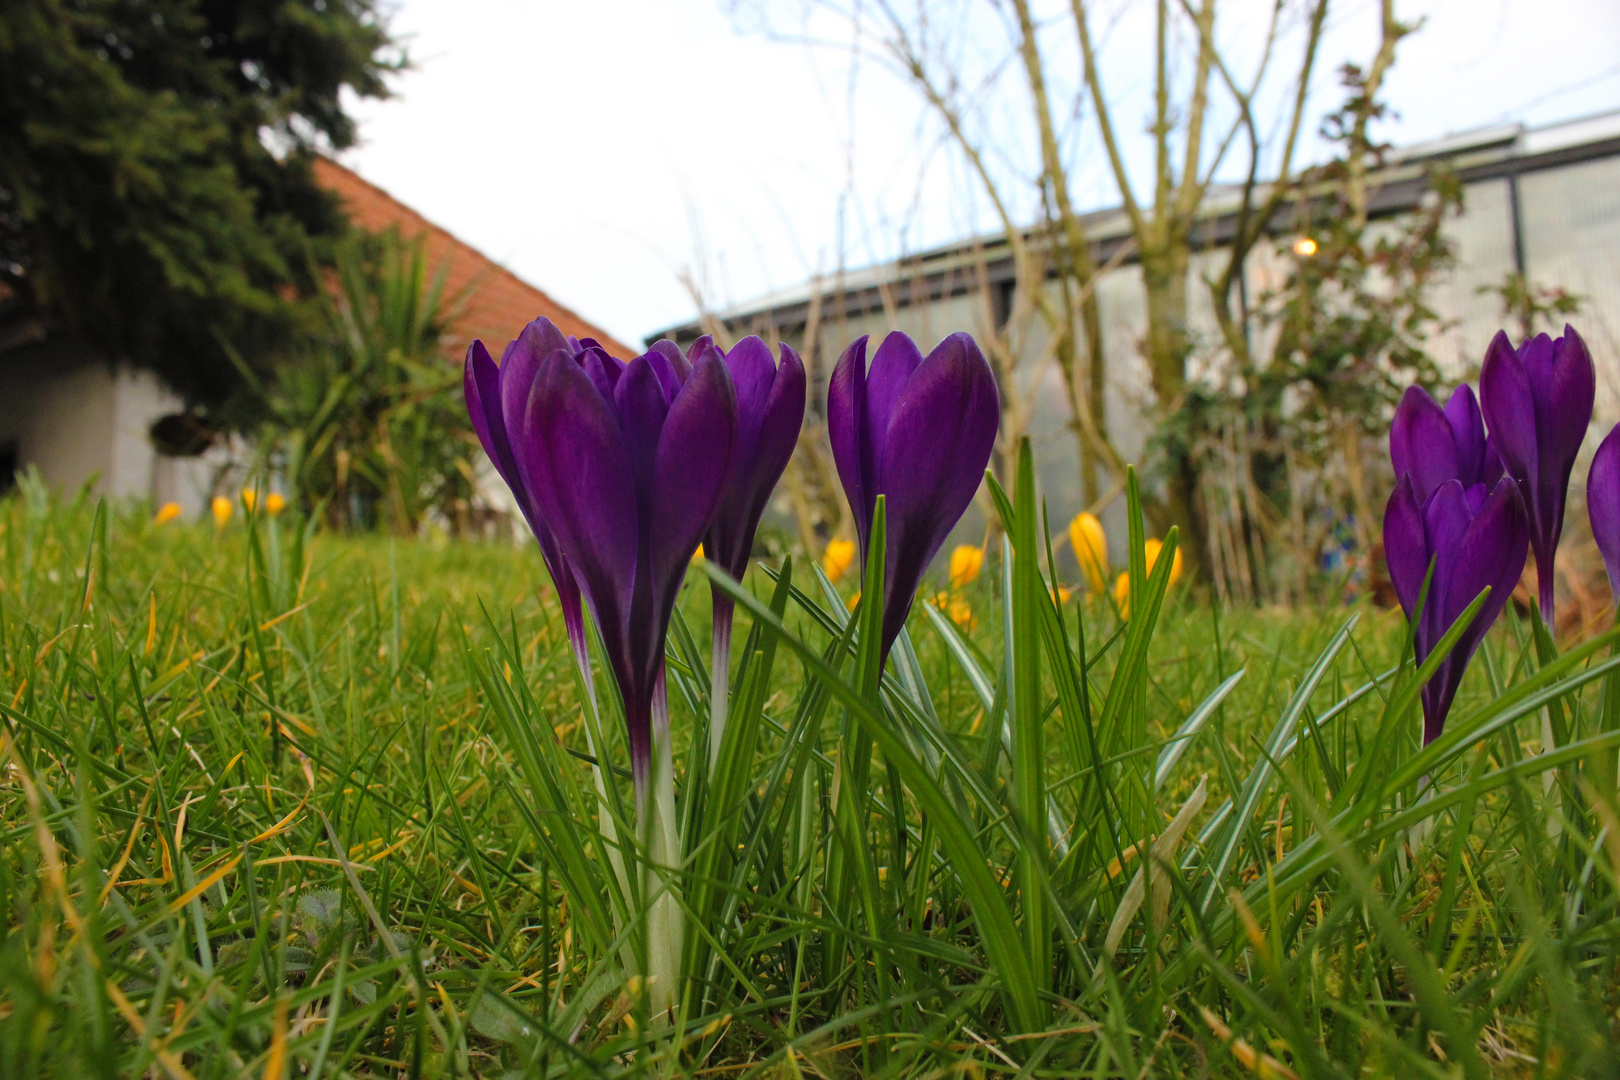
660,831
593,721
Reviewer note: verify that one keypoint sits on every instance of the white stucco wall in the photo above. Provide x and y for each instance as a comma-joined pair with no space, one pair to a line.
81,420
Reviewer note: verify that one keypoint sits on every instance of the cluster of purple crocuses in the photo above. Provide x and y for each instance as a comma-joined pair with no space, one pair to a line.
622,469
1473,505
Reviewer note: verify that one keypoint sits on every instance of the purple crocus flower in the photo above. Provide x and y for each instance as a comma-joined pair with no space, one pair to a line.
1433,445
1603,504
626,463
1475,537
495,401
918,432
1538,402
770,411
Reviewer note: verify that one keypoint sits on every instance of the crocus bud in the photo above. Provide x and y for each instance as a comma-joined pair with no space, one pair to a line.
770,411
496,397
1434,445
626,463
919,432
1538,402
1150,555
1476,538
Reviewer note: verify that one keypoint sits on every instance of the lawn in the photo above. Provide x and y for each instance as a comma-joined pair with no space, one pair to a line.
281,806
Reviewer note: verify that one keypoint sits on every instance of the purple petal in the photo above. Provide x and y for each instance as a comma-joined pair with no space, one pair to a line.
603,370
668,377
484,385
934,452
846,431
1489,554
1509,408
752,373
1422,443
584,488
641,406
895,361
1490,469
1406,545
1603,504
518,372
770,411
1467,435
481,385
693,460
1538,354
700,348
784,416
1485,554
1516,526
672,352
1569,393
1446,517
541,338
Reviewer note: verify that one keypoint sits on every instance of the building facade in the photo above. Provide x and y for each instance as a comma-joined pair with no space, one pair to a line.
1544,203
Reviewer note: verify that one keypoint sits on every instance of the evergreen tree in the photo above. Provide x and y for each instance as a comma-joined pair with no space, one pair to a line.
156,195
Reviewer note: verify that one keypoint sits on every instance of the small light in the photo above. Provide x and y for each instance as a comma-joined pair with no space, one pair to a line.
1304,247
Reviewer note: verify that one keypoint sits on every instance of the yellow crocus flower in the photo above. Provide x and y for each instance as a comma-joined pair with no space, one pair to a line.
1150,555
1122,593
222,511
839,556
1090,549
166,513
250,496
275,503
958,610
966,560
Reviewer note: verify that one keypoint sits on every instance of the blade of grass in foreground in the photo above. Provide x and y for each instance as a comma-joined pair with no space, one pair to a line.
997,929
1028,716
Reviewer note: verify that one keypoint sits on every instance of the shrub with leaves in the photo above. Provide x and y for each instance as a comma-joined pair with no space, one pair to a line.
366,422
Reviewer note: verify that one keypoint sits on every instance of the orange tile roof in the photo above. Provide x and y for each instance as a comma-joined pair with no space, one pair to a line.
499,303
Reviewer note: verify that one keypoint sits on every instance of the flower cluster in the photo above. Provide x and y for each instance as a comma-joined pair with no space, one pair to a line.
624,470
1090,546
1468,505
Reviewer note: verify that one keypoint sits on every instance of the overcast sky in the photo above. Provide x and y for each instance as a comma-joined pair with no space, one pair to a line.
601,150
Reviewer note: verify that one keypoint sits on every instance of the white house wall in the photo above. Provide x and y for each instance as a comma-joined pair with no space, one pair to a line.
1572,239
80,420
